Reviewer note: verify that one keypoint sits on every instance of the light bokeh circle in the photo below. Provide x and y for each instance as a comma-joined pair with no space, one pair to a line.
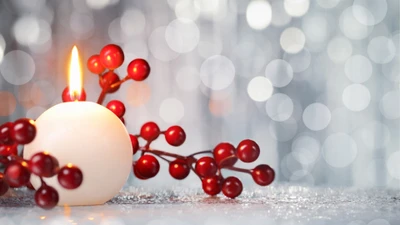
217,72
296,8
279,107
339,150
182,35
381,50
358,68
171,110
356,97
390,105
11,68
292,40
370,12
279,72
258,14
316,116
260,89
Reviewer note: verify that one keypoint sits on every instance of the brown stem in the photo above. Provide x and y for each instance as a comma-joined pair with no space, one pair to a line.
116,84
161,157
162,153
192,160
102,96
103,93
202,152
237,169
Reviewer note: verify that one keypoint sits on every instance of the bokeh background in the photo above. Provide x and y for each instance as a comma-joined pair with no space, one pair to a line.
314,82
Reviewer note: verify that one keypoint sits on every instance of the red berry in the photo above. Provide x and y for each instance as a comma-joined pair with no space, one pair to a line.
225,155
94,65
248,151
136,173
232,187
150,131
111,56
46,197
43,164
206,167
17,174
6,150
23,131
212,185
67,97
30,186
135,143
107,80
5,133
138,69
179,169
263,175
117,107
175,136
70,176
3,185
147,166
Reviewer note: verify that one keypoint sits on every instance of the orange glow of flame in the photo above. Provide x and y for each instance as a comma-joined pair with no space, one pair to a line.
75,74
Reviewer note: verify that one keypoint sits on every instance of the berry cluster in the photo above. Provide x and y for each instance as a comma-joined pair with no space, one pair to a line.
110,58
18,171
207,168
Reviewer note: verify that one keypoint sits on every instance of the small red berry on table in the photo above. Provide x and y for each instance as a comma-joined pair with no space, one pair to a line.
44,165
150,131
67,97
138,69
70,177
94,65
17,174
206,166
117,107
7,150
46,197
225,154
107,80
179,169
263,175
248,151
212,185
147,166
175,136
111,56
5,137
3,185
134,142
23,131
232,187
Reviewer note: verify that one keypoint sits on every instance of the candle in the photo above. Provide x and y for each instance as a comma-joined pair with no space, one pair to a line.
89,136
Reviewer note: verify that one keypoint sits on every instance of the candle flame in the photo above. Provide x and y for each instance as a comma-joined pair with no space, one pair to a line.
75,74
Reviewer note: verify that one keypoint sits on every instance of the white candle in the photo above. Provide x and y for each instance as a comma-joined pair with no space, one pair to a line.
89,136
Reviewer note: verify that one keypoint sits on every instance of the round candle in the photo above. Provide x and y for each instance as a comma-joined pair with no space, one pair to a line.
91,137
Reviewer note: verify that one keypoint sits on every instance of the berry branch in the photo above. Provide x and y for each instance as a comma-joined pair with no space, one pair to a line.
18,171
207,168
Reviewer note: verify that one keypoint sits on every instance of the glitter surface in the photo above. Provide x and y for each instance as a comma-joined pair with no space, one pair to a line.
286,205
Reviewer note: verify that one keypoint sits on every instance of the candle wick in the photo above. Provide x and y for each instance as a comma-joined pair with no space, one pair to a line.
75,96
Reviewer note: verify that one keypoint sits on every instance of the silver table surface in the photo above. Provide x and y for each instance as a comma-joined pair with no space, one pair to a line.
286,205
